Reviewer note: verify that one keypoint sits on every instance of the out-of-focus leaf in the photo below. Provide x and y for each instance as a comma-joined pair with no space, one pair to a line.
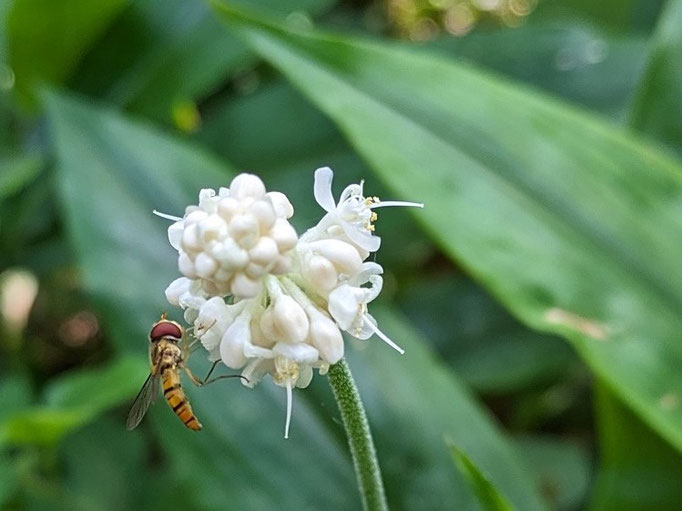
413,402
489,497
164,53
48,38
16,173
240,456
111,474
575,226
577,61
73,400
98,388
636,470
488,348
657,109
113,173
561,469
621,15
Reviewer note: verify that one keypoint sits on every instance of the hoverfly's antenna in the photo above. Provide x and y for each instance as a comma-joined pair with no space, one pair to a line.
164,316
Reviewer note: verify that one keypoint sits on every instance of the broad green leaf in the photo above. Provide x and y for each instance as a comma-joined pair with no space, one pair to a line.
240,456
112,175
561,468
579,62
47,38
163,54
489,349
414,402
17,172
636,470
73,400
489,497
575,226
657,109
618,15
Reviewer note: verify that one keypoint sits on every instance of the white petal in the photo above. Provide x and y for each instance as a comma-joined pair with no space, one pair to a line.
326,337
290,320
343,255
281,204
305,376
323,188
255,371
232,343
177,288
175,234
361,237
299,352
247,185
244,287
344,306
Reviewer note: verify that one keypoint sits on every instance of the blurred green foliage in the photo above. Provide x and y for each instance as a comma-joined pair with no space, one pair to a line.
545,154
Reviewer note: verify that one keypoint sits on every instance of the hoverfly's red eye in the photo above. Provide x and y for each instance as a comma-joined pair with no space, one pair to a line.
165,329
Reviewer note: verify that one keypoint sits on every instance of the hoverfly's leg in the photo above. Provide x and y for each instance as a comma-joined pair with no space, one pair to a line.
202,383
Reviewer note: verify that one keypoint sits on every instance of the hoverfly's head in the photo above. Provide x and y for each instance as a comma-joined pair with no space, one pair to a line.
165,329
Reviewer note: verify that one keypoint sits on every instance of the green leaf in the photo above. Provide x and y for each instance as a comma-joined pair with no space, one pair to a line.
412,401
73,400
561,468
114,181
582,63
47,39
162,54
657,109
17,172
575,226
489,497
637,470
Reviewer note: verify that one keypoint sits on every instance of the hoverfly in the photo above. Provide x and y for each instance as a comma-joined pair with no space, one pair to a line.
168,353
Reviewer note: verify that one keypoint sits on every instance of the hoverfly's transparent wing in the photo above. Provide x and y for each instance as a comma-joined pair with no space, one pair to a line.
148,393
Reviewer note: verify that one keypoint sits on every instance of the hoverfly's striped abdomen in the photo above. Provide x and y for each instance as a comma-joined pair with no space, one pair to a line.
177,400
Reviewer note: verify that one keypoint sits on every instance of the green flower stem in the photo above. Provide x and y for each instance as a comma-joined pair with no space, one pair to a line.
359,437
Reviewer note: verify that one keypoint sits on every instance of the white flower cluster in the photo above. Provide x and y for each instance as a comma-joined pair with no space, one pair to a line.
265,301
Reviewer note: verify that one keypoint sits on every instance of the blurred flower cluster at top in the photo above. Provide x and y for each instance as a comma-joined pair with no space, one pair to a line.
421,20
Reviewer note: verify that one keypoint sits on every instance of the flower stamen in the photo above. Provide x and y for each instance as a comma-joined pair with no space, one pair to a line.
383,336
167,216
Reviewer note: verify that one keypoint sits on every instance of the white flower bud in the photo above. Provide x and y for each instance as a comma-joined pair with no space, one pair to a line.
284,235
195,216
281,204
244,229
320,274
290,320
325,336
343,255
264,213
228,207
264,252
205,265
244,287
212,228
175,232
177,288
190,238
247,185
186,266
232,344
344,305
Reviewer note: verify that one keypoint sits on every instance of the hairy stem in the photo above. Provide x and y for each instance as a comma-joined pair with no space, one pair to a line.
359,437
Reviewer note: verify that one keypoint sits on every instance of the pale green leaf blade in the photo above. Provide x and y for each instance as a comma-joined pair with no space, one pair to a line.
575,226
